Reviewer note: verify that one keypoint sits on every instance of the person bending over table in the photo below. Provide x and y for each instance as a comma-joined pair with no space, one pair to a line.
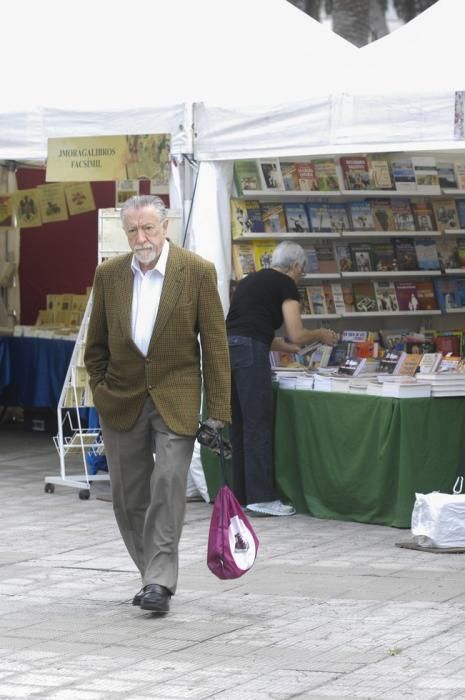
261,303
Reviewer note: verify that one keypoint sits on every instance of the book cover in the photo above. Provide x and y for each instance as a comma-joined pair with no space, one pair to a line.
460,292
355,172
296,218
382,214
426,295
343,257
383,256
423,215
364,296
243,259
319,217
445,213
460,175
403,215
306,176
338,298
403,175
240,222
289,175
389,361
446,290
426,174
446,175
271,175
408,364
405,253
447,252
361,215
326,260
406,293
348,296
273,217
312,264
361,257
246,176
254,215
386,298
326,174
429,362
427,254
305,309
338,217
262,253
449,342
460,204
329,299
380,173
316,299
460,252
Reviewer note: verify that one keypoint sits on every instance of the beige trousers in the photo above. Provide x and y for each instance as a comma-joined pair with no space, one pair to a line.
149,496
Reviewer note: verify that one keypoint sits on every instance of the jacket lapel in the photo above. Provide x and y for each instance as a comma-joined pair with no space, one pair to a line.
123,291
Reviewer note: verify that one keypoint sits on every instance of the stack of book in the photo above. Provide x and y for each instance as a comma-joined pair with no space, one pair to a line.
444,383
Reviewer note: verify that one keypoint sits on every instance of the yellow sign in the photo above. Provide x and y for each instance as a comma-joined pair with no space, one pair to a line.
5,210
79,197
96,158
52,203
27,208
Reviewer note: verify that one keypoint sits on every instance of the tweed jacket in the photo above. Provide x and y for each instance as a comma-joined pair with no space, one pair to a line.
190,310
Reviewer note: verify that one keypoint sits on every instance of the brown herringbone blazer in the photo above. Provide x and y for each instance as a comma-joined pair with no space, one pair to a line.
190,309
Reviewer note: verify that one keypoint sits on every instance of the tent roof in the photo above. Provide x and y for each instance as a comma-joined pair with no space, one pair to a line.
94,69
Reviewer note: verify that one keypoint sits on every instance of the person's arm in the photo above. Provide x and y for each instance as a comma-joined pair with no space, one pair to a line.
283,345
297,333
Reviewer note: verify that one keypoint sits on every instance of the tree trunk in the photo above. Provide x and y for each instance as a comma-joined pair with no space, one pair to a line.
377,20
310,7
351,20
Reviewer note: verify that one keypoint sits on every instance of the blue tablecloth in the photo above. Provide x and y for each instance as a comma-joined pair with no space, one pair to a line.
33,370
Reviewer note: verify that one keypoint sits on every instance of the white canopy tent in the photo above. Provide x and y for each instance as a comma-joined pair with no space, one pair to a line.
402,95
105,68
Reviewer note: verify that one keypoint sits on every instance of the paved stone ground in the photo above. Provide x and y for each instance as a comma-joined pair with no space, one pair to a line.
330,609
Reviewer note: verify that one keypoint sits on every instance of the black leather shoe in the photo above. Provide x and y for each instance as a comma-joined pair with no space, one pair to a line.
138,597
156,598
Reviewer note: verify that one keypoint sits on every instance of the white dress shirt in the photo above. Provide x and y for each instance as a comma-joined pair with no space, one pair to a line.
146,293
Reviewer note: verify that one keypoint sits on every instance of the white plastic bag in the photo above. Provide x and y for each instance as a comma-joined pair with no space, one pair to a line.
438,519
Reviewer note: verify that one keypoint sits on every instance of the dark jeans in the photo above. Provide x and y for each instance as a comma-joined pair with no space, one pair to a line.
252,420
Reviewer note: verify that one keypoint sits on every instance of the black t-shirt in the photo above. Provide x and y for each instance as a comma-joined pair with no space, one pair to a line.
256,306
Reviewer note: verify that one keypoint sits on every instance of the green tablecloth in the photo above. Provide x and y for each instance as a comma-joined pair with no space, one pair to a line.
362,458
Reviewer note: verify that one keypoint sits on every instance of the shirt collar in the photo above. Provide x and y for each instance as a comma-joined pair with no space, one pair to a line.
161,262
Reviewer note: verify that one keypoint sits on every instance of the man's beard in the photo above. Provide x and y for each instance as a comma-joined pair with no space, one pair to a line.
146,255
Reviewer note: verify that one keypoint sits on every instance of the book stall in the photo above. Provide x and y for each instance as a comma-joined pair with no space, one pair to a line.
369,183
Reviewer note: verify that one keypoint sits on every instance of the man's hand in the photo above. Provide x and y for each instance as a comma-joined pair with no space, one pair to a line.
214,423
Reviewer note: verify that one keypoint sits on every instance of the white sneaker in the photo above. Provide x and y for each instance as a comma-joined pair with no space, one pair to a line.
271,508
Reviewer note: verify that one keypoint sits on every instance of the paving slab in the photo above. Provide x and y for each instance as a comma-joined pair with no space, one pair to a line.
331,609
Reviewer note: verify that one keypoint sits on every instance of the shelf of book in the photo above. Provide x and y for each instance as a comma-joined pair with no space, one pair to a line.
453,231
320,317
397,273
286,235
455,271
365,314
391,234
460,310
277,195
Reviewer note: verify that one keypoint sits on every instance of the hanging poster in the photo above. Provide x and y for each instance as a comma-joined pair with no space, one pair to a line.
52,203
125,189
79,198
27,208
5,210
97,158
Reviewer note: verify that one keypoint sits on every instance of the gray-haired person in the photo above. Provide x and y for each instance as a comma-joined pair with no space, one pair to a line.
262,302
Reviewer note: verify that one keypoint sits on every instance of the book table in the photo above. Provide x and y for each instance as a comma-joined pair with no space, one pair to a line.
33,370
362,458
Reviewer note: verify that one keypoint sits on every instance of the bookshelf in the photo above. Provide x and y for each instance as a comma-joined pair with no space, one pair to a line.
418,202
